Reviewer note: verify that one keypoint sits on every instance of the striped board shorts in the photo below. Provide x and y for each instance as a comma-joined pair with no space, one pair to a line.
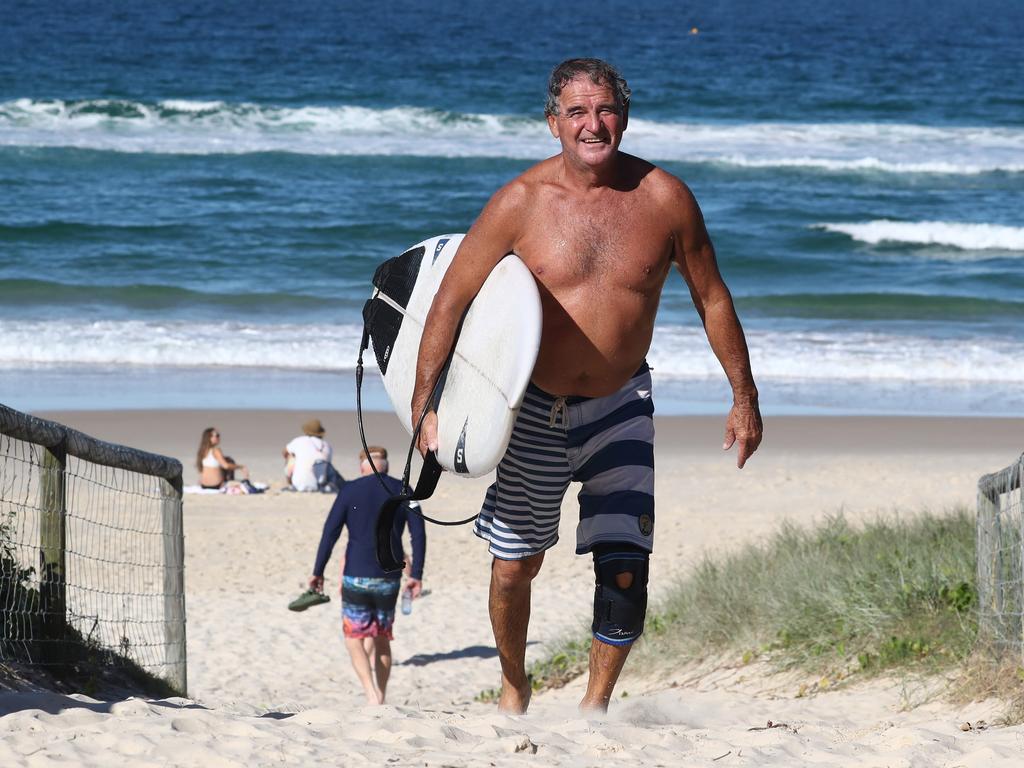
605,443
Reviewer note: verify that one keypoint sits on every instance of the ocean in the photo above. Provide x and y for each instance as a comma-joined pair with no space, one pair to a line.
194,196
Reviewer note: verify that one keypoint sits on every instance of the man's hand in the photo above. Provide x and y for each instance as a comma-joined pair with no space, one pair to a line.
428,433
743,426
415,586
316,583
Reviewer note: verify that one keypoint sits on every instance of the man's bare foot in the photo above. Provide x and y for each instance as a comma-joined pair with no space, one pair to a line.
514,701
594,706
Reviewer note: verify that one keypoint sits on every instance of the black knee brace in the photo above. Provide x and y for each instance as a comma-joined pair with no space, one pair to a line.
619,613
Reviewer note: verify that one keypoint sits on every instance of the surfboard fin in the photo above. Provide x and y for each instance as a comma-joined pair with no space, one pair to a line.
387,558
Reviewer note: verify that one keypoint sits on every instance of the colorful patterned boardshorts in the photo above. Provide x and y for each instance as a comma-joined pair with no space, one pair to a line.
368,606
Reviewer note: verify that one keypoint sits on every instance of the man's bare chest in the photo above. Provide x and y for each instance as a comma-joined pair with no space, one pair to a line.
610,246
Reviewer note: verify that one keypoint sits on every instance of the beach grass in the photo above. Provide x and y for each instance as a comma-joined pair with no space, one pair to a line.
838,598
836,601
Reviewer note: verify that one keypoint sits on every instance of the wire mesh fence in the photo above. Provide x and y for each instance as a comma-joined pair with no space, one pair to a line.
91,553
1000,549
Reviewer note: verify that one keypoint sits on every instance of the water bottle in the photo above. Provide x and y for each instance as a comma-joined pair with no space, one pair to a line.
407,601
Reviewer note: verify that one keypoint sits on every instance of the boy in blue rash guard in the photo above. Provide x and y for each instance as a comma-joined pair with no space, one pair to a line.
368,594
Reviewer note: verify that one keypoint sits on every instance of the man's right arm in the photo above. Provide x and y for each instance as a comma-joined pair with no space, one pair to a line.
289,448
332,530
491,237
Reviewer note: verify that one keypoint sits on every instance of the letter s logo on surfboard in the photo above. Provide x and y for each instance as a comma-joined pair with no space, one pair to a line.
440,247
460,451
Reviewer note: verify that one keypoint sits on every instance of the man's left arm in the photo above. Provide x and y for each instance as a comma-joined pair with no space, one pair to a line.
418,534
695,257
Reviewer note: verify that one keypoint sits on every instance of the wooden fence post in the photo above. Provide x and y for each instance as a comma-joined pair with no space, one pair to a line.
174,583
987,553
52,547
1020,566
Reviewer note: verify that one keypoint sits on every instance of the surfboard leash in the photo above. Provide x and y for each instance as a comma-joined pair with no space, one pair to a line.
431,472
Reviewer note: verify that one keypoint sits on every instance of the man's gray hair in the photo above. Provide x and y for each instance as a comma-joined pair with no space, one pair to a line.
600,73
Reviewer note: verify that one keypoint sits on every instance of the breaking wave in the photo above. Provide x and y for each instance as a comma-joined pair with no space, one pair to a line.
215,127
677,351
970,237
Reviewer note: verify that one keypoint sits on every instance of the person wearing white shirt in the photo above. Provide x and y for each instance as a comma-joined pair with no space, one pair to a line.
308,459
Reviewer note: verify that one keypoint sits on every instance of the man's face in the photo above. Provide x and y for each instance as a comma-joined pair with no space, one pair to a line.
589,123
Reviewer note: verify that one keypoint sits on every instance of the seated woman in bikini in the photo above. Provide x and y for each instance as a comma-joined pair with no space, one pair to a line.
215,469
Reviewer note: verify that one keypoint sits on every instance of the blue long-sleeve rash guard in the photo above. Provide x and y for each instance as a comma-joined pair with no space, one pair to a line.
356,506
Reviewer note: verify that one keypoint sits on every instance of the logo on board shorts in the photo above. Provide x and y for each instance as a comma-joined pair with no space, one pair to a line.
646,523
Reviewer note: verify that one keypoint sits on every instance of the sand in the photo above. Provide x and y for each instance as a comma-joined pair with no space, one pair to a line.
271,687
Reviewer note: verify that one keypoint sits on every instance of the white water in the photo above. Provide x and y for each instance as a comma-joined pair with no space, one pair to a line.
193,127
949,233
677,351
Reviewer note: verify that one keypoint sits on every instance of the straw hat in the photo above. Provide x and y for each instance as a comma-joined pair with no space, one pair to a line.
313,427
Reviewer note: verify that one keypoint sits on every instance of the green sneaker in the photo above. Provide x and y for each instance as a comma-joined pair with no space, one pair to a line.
308,598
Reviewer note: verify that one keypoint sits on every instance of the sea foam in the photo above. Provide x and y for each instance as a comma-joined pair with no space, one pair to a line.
678,351
215,127
962,235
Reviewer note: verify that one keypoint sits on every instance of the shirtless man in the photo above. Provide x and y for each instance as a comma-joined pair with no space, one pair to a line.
600,230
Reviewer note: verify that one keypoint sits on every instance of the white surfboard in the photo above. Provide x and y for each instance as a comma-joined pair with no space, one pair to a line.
483,386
